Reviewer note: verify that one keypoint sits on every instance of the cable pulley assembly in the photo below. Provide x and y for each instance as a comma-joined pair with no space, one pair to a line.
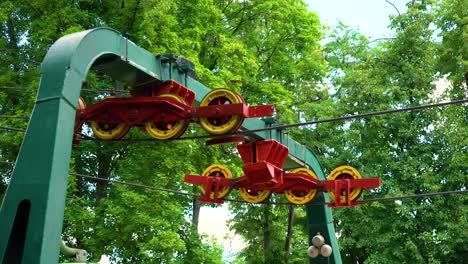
263,175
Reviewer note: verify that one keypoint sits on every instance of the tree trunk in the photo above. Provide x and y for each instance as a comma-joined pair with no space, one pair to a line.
104,168
266,233
12,43
290,233
196,205
466,79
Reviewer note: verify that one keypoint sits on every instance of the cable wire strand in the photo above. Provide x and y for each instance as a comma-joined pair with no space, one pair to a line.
21,89
13,129
134,184
30,89
329,120
112,91
358,116
371,200
14,117
247,132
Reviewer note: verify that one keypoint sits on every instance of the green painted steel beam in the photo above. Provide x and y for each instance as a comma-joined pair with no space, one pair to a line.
31,215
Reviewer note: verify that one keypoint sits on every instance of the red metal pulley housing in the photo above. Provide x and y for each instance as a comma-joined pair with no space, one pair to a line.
263,162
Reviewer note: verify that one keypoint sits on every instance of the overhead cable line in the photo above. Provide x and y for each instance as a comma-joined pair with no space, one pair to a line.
306,83
14,129
142,186
134,185
329,120
275,203
18,51
27,89
14,117
335,119
105,91
23,89
412,196
359,116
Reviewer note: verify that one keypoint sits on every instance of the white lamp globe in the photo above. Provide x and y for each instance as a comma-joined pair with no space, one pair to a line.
313,252
318,241
326,250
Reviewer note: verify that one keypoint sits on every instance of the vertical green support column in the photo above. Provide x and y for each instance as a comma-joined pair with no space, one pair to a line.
31,215
38,186
320,220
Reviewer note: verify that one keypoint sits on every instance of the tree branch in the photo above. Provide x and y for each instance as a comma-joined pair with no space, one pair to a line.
393,7
241,20
132,22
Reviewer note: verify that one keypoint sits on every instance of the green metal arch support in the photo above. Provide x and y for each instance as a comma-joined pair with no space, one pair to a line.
31,215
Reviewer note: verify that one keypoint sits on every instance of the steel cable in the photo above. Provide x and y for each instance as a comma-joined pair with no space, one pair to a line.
281,127
371,200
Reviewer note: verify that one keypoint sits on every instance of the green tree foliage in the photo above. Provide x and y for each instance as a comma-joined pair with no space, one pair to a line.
452,18
264,228
269,52
407,150
283,37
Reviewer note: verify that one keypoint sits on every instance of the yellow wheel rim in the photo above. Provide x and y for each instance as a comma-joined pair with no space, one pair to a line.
167,130
217,170
254,196
221,125
109,131
345,172
302,197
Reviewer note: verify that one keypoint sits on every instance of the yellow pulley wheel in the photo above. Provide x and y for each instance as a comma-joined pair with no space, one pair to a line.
224,124
109,131
302,196
167,130
254,196
345,172
217,170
